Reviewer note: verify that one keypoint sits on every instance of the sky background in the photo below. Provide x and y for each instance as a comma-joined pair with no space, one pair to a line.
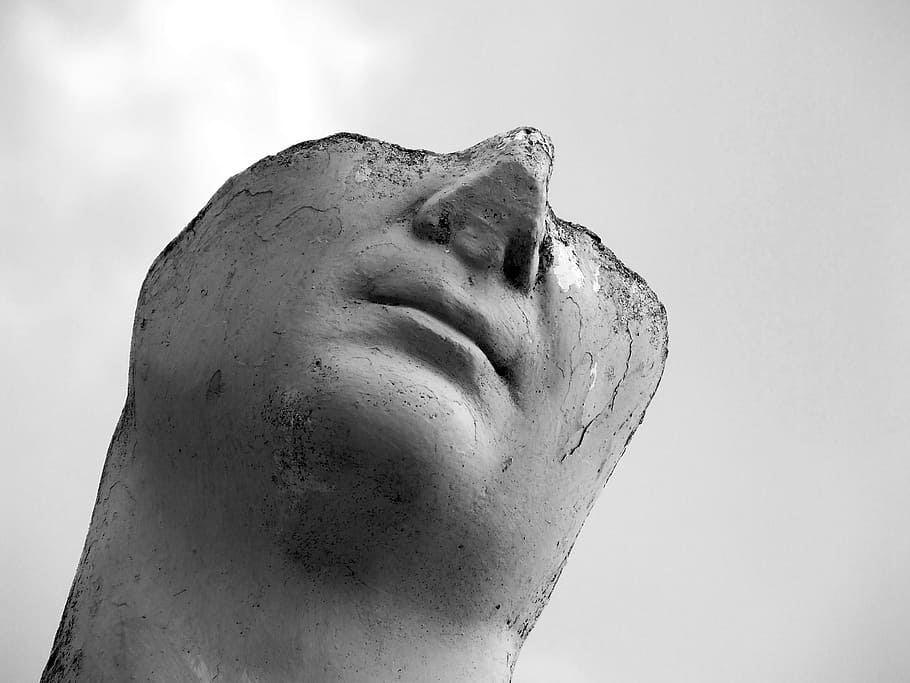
751,160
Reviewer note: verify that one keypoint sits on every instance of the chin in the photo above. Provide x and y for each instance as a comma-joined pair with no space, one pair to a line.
373,453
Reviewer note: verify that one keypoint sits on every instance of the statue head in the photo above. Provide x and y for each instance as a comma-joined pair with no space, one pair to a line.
382,367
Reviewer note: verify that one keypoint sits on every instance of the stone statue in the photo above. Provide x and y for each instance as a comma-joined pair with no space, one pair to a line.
373,394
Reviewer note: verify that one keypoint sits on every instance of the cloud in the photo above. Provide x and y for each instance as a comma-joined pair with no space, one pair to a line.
184,86
126,119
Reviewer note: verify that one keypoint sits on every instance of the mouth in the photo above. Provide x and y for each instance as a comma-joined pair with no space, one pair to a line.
458,320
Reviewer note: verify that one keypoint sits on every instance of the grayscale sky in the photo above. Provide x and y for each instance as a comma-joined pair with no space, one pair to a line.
750,159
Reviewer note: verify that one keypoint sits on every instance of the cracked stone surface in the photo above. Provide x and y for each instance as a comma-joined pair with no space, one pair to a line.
374,392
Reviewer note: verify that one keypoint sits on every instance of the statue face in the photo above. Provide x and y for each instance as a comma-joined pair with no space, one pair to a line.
399,366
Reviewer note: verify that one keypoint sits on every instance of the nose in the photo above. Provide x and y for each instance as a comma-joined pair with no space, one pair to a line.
494,215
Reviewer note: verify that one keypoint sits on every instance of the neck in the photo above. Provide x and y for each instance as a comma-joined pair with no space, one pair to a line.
150,602
255,632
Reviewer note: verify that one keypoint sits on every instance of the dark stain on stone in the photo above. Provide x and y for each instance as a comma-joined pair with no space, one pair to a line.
215,386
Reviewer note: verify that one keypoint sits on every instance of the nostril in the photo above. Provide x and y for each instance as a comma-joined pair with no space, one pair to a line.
519,265
436,228
504,371
444,228
545,255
